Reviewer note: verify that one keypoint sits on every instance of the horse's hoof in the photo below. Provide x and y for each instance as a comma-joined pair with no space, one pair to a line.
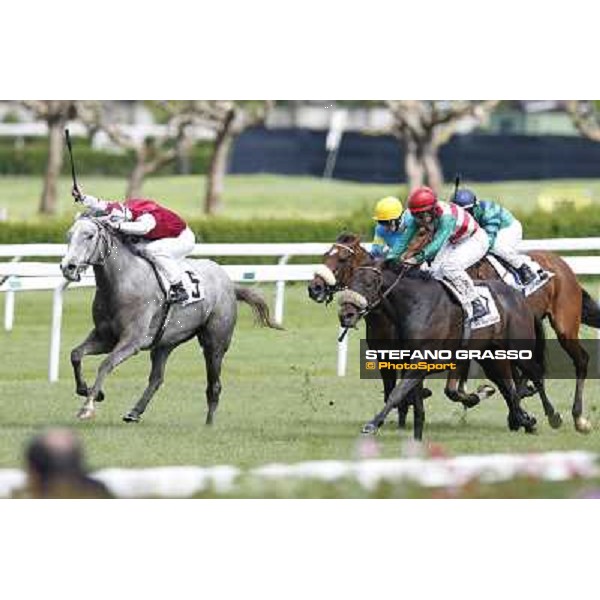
555,420
485,391
100,396
369,429
513,424
583,425
86,413
131,417
530,428
426,393
471,401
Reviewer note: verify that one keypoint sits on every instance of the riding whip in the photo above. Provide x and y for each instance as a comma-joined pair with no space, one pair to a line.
68,138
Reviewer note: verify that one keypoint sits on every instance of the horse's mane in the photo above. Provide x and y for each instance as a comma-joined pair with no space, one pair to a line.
348,238
100,220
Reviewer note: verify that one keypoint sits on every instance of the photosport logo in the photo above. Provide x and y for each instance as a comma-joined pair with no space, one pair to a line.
439,357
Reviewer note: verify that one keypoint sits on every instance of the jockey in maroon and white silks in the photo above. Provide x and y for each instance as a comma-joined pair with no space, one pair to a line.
168,238
458,242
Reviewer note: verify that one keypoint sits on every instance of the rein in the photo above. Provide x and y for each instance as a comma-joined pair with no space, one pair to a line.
387,292
101,238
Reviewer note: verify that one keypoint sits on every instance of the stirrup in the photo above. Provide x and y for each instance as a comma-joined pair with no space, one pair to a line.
526,275
178,294
479,310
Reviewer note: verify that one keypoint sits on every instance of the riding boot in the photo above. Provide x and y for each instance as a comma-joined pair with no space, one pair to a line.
177,293
526,274
478,309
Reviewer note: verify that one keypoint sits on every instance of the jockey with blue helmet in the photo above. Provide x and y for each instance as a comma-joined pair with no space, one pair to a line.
504,231
457,243
391,225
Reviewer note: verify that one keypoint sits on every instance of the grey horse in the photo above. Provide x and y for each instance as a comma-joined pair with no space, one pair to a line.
130,313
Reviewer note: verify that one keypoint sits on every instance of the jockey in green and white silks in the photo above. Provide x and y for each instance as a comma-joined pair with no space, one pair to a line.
504,231
391,226
458,243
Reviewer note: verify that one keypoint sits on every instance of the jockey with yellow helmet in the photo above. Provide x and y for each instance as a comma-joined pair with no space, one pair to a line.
391,225
458,242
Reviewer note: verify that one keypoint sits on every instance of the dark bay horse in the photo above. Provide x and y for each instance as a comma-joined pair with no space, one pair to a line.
130,314
339,265
426,316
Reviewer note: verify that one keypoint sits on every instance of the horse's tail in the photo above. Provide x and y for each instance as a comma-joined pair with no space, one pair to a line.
540,344
258,305
590,311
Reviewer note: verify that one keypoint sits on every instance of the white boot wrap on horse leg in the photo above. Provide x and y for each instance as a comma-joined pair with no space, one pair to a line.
354,298
326,274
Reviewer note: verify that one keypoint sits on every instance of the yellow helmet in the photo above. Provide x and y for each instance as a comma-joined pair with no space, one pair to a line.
388,208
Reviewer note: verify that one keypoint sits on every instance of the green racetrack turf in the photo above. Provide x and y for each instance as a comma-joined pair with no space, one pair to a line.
281,398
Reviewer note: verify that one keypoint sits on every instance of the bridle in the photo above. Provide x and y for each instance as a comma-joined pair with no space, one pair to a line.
97,257
381,298
331,290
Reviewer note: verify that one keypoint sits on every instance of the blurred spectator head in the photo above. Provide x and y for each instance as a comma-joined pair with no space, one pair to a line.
55,467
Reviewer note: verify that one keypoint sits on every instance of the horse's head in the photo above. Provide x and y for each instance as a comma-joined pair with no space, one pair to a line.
88,245
339,263
363,293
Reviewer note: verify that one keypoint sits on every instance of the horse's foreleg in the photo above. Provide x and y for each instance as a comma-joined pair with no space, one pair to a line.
93,344
419,412
396,398
124,349
389,383
159,357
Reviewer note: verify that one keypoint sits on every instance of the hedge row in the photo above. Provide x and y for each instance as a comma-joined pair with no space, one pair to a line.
31,160
535,225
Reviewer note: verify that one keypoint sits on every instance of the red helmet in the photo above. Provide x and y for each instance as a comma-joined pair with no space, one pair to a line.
421,199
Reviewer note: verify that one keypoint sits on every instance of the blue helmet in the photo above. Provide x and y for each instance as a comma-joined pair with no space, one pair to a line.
465,198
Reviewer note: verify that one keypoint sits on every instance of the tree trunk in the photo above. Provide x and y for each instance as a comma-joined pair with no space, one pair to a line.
136,178
48,202
184,150
433,169
413,166
215,178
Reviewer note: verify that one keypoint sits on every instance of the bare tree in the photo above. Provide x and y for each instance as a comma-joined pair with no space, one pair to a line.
585,117
55,113
422,127
228,119
151,154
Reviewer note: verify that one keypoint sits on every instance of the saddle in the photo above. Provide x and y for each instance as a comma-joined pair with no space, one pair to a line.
190,281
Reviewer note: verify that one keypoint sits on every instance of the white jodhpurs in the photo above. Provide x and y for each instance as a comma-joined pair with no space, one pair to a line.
168,252
453,259
506,244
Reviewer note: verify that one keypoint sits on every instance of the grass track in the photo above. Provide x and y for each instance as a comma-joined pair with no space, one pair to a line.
281,401
270,196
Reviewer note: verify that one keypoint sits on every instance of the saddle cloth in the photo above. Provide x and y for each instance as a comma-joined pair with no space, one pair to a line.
509,277
490,318
493,316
